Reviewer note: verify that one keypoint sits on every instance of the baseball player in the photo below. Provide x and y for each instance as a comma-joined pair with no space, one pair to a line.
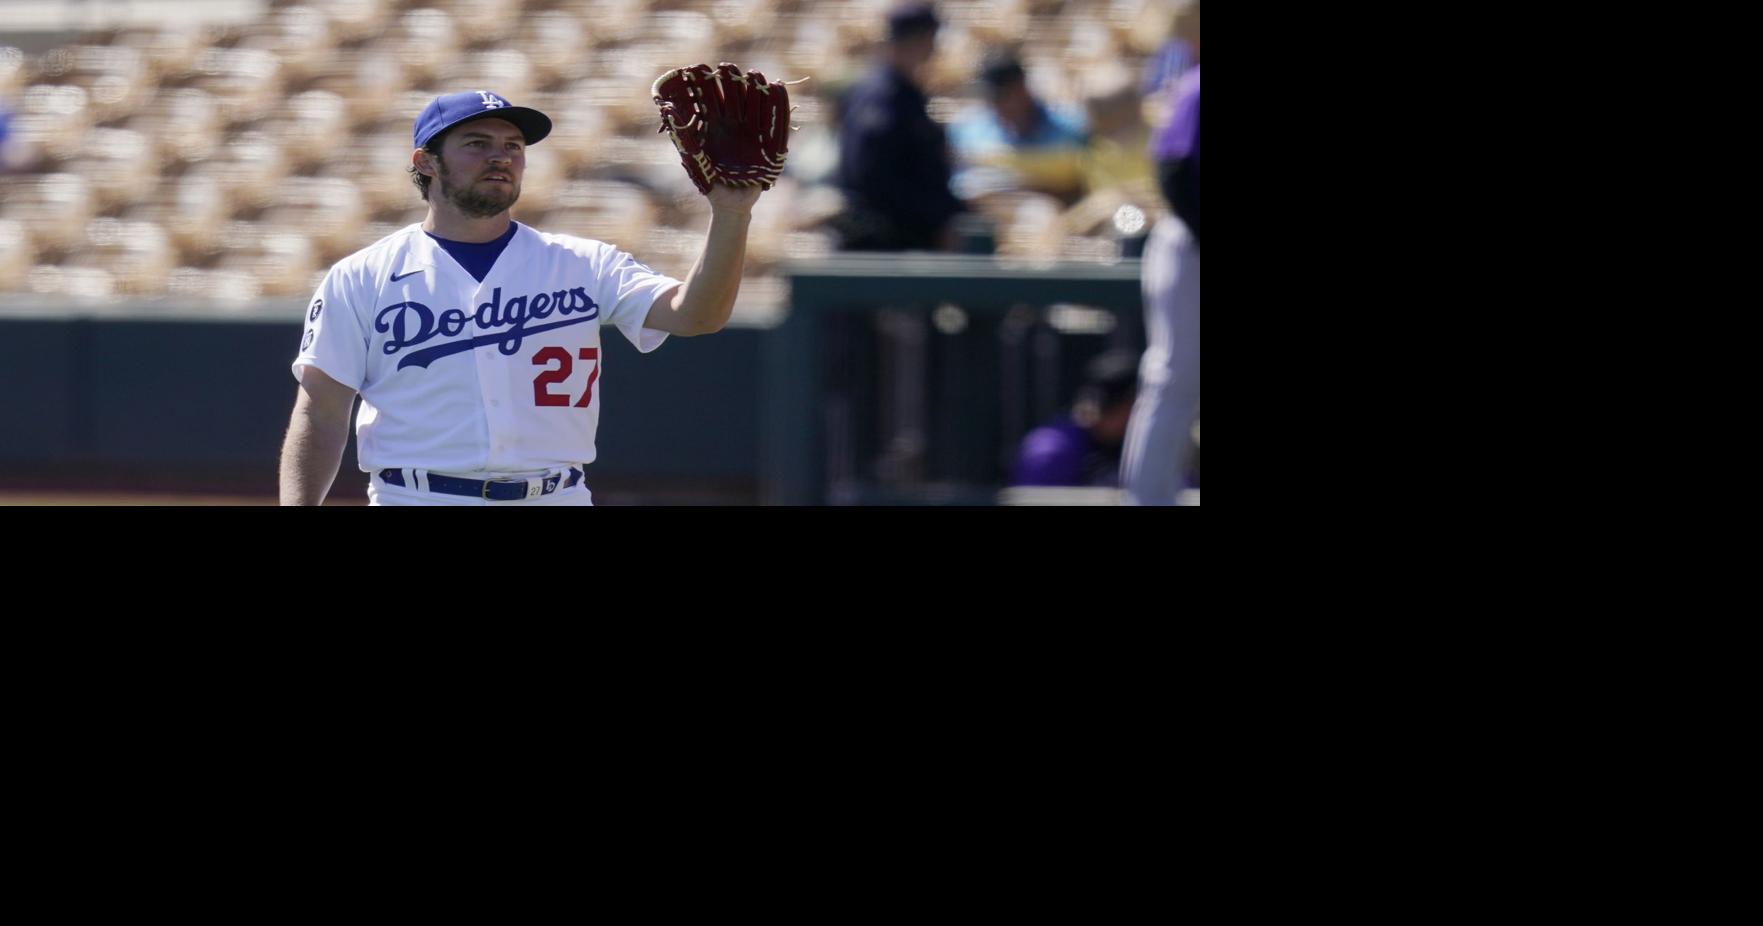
1159,448
474,341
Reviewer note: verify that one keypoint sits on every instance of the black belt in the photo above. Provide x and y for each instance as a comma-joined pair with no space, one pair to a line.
492,490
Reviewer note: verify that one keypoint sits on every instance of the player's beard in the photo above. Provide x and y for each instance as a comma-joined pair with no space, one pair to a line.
474,200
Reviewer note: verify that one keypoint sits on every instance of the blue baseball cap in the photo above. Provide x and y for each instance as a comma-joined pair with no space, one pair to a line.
445,112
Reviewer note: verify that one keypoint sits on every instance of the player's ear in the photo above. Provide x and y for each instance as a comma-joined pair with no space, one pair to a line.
423,162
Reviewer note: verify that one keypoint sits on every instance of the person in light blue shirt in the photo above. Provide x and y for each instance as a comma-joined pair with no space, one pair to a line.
1016,142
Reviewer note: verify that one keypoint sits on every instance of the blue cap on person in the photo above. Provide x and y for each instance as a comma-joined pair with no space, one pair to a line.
445,112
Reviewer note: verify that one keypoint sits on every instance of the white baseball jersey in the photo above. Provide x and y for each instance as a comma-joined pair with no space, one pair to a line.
469,378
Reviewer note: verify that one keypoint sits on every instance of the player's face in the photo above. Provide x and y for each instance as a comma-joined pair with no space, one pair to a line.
481,165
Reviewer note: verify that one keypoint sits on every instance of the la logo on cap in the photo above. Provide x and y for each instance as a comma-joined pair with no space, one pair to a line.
491,101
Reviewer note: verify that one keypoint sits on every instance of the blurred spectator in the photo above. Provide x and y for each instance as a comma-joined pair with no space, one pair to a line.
12,153
1117,157
1160,437
1083,447
11,69
1016,142
893,158
1120,180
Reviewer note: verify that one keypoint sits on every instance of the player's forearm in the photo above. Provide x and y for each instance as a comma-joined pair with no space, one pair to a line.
708,297
311,456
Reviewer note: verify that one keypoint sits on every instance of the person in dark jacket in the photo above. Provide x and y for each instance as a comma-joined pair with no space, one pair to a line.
893,158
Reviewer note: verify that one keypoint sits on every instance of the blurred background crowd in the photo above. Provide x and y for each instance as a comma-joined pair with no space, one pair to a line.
219,153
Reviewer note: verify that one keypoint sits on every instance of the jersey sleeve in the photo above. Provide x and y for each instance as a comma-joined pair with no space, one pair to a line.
631,288
334,340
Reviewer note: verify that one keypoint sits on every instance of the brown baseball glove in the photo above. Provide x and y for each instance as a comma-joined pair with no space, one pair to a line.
730,126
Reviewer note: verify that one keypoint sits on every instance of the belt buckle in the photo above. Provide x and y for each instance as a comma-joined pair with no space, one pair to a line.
485,491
